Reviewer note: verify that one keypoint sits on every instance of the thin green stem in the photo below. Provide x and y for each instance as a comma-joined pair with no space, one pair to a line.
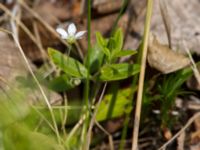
44,118
87,83
62,107
86,90
65,113
124,131
89,33
125,2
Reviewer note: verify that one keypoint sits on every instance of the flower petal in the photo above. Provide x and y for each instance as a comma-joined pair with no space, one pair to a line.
62,32
72,29
80,34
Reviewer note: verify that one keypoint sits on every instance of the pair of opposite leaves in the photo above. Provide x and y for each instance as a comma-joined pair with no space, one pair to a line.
162,58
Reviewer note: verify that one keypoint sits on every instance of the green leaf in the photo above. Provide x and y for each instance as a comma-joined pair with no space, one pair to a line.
13,106
106,52
112,45
69,65
120,104
96,60
100,40
118,37
19,137
118,71
124,53
102,44
63,83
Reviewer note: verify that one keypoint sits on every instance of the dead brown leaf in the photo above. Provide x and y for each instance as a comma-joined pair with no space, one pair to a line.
162,58
167,133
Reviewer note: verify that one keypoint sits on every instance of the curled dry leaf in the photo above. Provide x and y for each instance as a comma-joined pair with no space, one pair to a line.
167,133
162,58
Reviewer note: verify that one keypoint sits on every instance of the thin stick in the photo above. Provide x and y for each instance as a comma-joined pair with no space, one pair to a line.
41,48
37,35
73,131
141,77
83,7
110,139
22,25
181,141
79,51
193,65
15,29
15,37
40,88
190,121
51,29
166,20
43,118
93,118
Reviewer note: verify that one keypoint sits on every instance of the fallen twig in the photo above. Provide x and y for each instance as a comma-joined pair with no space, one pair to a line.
190,121
141,77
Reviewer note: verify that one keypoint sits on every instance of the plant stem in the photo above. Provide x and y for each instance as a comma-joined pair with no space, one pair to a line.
93,118
124,131
132,94
65,112
89,33
87,83
142,75
125,2
79,50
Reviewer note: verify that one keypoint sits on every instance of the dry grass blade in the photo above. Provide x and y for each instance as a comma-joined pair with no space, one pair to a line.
93,118
180,141
39,42
190,121
37,82
16,40
111,144
194,67
83,7
166,20
141,76
23,27
76,127
48,27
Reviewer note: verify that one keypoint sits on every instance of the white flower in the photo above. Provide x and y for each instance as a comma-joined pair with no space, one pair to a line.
70,35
